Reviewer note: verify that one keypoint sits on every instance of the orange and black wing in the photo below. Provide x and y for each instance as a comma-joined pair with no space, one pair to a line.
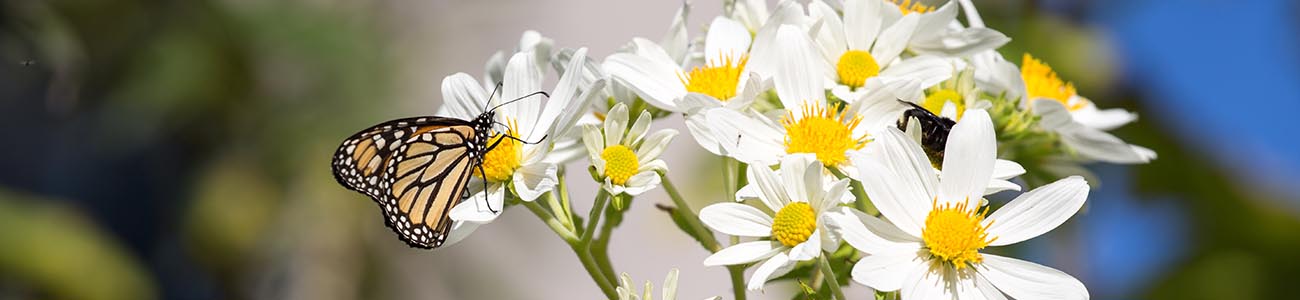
416,169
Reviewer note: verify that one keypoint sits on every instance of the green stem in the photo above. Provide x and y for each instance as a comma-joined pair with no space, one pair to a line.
829,278
578,247
729,177
600,245
698,229
558,211
564,197
593,217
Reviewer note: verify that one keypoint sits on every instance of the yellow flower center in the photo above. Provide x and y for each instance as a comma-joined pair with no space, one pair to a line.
719,81
909,6
1042,82
500,163
855,66
827,132
620,163
935,101
794,223
953,233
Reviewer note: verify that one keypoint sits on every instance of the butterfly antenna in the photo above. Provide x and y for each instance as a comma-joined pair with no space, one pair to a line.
494,93
544,94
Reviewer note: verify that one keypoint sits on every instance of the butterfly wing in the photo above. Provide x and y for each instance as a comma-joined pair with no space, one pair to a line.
416,169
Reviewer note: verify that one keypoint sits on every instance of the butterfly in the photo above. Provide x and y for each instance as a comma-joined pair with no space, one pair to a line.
417,169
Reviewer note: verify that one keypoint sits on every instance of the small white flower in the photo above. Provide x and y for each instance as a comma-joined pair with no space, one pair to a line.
800,195
930,246
626,291
866,45
522,166
627,160
1081,125
938,32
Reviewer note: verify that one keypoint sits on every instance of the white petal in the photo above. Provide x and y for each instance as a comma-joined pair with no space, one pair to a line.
862,20
532,180
565,104
1038,211
773,195
987,289
961,43
655,144
737,219
463,96
998,185
777,264
872,235
742,253
1102,146
886,272
593,140
894,39
831,36
638,130
928,70
933,24
901,192
798,76
480,206
459,230
698,126
796,172
522,77
676,42
755,142
968,159
641,183
726,39
654,81
1103,119
1025,280
926,282
615,123
1006,169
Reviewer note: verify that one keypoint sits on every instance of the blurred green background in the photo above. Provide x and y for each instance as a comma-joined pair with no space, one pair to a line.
161,149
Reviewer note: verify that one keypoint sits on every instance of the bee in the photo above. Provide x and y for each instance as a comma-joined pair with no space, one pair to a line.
934,130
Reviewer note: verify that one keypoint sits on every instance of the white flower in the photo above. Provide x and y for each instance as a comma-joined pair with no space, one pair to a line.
800,195
627,160
1081,125
626,291
866,44
938,31
930,246
523,166
530,42
808,124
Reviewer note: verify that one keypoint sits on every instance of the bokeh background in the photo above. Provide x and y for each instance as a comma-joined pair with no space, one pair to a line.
160,149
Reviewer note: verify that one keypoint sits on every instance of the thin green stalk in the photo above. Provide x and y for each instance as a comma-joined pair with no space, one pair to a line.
600,244
829,277
563,189
593,217
693,221
578,247
558,211
729,177
685,209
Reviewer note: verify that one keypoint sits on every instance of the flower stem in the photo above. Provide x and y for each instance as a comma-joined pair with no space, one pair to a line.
703,235
578,247
830,279
563,190
600,244
593,217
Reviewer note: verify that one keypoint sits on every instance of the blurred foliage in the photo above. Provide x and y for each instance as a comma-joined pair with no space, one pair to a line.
64,256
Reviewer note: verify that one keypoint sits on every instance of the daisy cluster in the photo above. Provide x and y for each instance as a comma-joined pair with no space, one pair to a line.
859,138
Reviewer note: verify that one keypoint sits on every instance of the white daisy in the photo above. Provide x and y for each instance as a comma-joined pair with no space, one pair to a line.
938,31
522,166
929,247
867,43
1081,125
530,42
627,160
800,195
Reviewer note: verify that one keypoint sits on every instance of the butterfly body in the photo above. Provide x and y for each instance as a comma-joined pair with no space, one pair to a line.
416,170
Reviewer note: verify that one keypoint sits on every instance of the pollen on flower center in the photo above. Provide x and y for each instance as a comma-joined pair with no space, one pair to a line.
620,163
719,81
954,234
855,66
1042,82
826,132
934,101
794,223
909,6
500,163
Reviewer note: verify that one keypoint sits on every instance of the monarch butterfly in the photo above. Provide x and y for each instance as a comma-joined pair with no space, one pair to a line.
417,169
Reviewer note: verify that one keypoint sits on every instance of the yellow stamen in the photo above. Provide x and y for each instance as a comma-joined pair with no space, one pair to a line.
719,81
1042,82
909,6
935,101
827,132
500,163
794,223
855,66
620,163
954,233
